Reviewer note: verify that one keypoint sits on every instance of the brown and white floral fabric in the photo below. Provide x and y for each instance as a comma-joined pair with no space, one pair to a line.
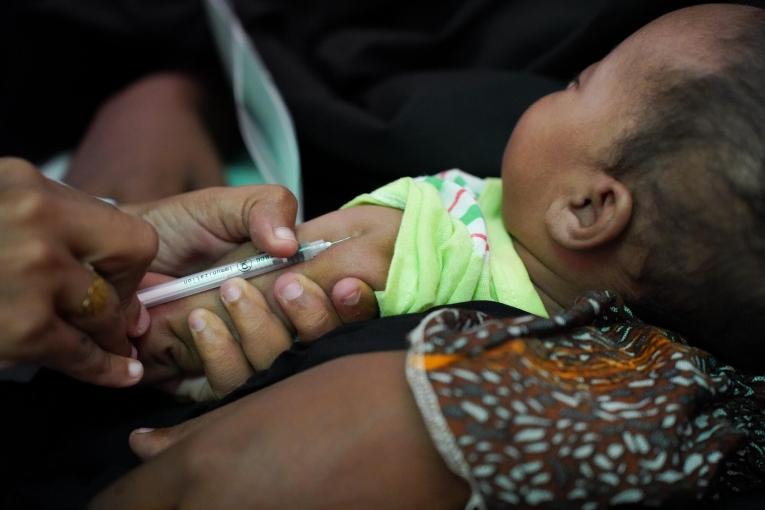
588,409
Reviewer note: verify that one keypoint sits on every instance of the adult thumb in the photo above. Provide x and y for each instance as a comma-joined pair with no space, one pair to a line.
266,213
147,443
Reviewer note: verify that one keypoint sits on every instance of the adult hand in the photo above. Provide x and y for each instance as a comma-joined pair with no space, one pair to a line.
168,348
261,335
197,228
346,434
55,310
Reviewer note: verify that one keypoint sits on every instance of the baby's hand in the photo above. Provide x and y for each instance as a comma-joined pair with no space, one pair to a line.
168,350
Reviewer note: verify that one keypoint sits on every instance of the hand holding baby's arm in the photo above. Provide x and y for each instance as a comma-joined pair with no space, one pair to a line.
168,350
260,335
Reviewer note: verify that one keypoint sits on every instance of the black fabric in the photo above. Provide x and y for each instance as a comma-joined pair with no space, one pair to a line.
61,59
382,89
61,440
378,89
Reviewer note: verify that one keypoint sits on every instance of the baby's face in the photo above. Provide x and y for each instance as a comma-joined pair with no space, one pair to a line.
568,134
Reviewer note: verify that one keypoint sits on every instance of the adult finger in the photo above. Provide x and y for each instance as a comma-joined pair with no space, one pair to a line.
354,300
222,358
264,213
262,334
306,306
91,305
53,278
271,220
75,354
119,246
150,442
137,328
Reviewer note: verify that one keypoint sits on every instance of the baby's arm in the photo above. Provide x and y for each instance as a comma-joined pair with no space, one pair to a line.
167,349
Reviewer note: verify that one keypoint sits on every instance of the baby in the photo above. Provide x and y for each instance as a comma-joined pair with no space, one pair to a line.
644,176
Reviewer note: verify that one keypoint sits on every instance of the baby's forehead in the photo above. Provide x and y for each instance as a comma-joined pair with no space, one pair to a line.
692,39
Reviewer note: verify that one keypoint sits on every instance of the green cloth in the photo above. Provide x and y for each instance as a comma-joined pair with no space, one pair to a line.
435,262
243,172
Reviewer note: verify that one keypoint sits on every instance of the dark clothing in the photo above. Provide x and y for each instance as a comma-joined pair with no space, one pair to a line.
378,89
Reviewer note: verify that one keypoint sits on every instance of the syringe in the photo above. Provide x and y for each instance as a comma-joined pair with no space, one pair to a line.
214,277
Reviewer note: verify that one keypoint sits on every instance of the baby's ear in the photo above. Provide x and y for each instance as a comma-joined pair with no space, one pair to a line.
590,216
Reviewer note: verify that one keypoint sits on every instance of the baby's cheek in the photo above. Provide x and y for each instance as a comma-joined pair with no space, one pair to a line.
167,349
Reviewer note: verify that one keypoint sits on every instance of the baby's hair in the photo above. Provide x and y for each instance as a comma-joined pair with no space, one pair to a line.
695,164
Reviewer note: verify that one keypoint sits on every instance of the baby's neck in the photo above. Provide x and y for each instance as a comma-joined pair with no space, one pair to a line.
557,291
561,278
551,306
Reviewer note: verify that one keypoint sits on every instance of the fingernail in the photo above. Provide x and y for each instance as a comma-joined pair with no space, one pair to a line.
134,352
284,233
196,323
144,320
230,292
135,369
352,298
292,291
143,430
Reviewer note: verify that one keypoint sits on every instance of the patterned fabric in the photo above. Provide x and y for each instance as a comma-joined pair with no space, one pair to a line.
588,409
459,192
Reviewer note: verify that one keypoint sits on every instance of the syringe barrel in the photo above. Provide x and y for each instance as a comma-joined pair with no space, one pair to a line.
214,277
